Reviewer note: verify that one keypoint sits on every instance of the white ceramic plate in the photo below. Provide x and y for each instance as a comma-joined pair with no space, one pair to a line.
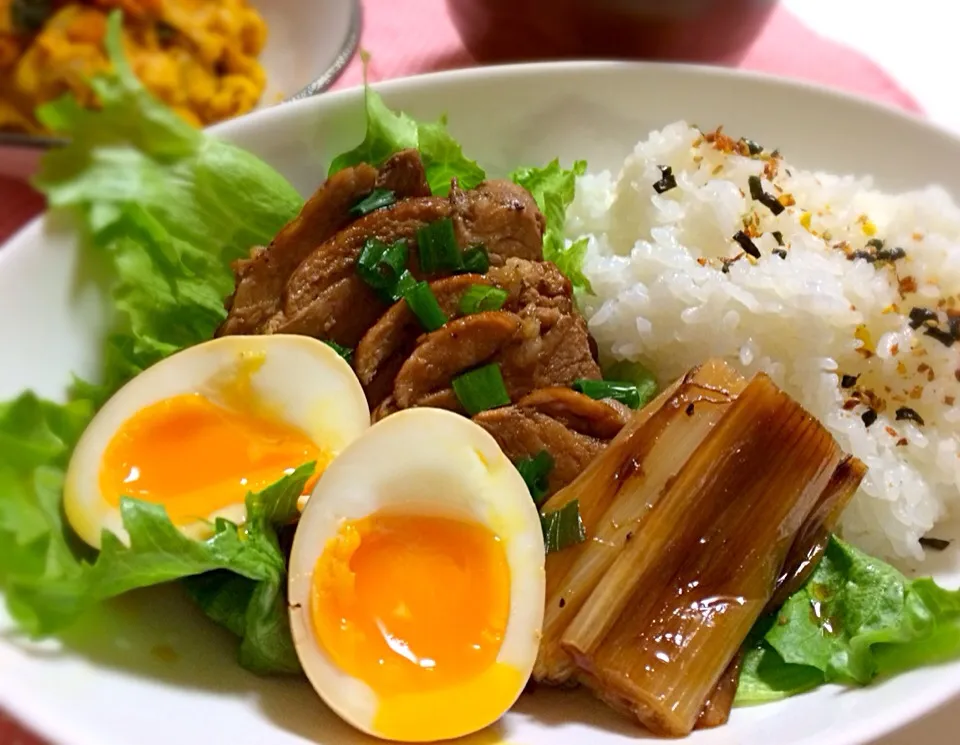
149,670
308,46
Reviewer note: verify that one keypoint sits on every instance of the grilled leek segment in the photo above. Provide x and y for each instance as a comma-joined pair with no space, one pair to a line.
701,515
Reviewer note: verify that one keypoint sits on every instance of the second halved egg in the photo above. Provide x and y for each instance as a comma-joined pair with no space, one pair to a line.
417,580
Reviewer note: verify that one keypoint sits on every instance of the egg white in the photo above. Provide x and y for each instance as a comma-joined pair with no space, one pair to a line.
427,462
300,380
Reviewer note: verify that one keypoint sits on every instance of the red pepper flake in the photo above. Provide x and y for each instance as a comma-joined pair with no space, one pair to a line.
867,354
916,392
890,431
787,200
907,285
895,350
956,374
917,236
720,141
949,400
923,367
702,261
874,401
902,442
850,405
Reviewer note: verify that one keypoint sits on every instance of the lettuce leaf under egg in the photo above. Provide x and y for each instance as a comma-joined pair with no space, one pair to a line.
166,208
247,559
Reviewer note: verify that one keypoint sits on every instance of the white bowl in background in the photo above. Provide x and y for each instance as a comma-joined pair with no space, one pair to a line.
308,46
101,685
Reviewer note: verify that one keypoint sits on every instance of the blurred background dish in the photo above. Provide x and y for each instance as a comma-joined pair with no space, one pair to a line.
677,30
209,60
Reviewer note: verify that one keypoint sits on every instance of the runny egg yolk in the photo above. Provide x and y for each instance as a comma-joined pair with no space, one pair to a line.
196,457
416,607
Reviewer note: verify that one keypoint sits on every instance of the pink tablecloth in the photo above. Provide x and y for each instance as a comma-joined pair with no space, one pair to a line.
401,45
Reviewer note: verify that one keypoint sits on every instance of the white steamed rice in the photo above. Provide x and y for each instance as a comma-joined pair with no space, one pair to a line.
661,298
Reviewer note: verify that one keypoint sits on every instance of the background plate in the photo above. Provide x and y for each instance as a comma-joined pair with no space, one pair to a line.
308,46
148,669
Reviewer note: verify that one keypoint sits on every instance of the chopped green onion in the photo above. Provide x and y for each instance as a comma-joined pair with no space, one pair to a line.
534,472
563,527
481,389
625,393
375,200
403,285
479,298
424,304
343,351
475,260
438,247
381,265
640,376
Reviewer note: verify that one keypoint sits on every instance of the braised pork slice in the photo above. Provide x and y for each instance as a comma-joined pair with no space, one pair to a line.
260,279
499,215
535,289
442,355
571,427
527,360
403,174
547,353
383,349
600,419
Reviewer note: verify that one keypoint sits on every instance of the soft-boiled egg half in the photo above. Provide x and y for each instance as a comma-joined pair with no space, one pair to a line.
416,582
199,430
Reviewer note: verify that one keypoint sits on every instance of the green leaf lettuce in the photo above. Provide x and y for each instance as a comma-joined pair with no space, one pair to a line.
388,132
554,187
165,209
857,618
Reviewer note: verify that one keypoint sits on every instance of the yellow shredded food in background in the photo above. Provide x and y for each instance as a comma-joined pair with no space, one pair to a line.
200,57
